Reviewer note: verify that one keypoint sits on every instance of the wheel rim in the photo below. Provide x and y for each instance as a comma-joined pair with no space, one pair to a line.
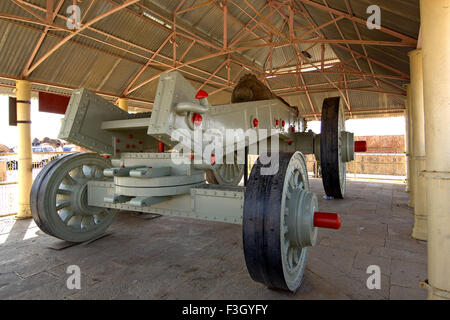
294,256
36,187
63,199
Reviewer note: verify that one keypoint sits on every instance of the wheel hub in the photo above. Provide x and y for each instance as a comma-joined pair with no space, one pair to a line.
347,146
301,231
80,200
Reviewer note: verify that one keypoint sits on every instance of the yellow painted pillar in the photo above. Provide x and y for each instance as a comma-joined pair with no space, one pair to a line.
435,24
123,104
408,170
25,160
420,196
409,144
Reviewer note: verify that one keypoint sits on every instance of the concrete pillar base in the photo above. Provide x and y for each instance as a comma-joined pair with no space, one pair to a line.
438,234
23,215
420,230
435,293
433,296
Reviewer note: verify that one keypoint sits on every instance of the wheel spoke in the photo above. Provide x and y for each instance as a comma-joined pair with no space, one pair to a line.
290,257
66,215
291,181
68,180
99,217
79,174
288,194
75,222
296,256
62,204
87,222
64,192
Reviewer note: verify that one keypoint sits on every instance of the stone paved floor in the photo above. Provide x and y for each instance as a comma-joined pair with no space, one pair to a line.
173,258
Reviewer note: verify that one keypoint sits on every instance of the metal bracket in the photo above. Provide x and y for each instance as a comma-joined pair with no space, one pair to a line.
150,172
119,172
117,198
147,201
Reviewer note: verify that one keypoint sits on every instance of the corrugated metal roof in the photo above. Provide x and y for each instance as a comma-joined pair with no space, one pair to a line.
107,56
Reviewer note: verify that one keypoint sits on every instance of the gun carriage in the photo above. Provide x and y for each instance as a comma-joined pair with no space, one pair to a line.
76,197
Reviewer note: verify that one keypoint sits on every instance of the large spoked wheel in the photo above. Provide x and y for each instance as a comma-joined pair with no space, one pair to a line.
226,174
59,198
331,148
278,223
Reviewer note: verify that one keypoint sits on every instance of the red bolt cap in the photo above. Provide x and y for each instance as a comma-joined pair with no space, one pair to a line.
289,142
117,150
283,123
160,146
327,220
130,136
127,146
140,142
255,122
213,159
277,122
201,94
106,156
360,146
117,140
197,119
292,129
133,146
122,166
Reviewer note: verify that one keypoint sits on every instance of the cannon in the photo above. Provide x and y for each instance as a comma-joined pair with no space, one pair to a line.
333,151
76,197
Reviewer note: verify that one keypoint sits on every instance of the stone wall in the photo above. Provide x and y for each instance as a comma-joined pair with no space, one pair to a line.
385,156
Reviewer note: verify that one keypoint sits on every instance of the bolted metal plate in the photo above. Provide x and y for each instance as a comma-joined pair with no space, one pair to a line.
82,122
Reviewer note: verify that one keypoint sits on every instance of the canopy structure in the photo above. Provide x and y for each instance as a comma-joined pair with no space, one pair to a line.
303,50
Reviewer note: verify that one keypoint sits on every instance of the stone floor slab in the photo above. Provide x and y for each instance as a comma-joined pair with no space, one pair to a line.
175,258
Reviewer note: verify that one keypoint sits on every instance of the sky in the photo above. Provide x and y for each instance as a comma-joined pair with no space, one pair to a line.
43,124
369,126
48,125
